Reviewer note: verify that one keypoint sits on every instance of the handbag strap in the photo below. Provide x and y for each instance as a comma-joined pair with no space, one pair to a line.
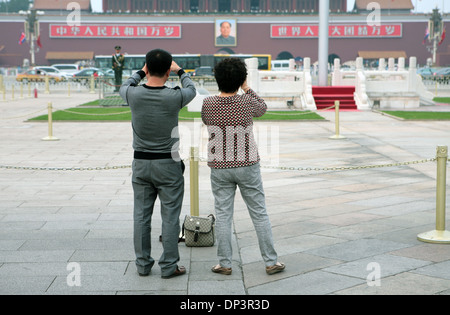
182,231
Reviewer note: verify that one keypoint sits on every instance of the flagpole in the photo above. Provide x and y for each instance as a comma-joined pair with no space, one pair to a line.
324,14
434,49
33,59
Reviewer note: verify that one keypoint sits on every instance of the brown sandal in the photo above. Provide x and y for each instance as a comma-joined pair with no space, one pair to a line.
221,270
278,267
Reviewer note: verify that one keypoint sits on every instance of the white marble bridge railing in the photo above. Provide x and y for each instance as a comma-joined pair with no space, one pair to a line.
283,89
385,88
396,88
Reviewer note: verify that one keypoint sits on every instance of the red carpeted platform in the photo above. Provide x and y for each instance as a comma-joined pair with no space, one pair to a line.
325,96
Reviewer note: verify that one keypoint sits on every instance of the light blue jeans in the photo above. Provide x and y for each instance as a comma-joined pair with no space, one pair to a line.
224,183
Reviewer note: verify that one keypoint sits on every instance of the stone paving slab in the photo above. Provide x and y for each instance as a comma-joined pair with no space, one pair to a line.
311,283
406,283
329,226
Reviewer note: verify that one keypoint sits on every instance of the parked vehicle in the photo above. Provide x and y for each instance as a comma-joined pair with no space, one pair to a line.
203,72
68,68
442,75
54,71
426,73
85,75
36,75
443,72
280,65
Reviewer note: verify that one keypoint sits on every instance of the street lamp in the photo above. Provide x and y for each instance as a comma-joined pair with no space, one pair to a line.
435,29
31,27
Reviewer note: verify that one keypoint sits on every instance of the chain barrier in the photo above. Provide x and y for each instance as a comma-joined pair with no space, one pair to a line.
302,113
109,84
90,114
37,168
279,114
126,112
282,168
67,111
348,168
129,111
22,116
202,159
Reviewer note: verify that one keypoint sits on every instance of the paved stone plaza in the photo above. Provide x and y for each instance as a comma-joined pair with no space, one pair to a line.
333,229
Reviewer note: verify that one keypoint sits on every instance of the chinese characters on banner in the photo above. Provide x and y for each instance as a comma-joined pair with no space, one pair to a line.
336,31
174,31
115,31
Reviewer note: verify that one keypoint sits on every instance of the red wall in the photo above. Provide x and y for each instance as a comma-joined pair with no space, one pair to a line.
199,38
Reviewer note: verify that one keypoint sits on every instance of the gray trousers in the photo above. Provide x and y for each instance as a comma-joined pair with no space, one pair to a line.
152,178
224,183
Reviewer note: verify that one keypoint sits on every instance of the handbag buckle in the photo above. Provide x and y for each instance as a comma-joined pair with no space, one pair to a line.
197,232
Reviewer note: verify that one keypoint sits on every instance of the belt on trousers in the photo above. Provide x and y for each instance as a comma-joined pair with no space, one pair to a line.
155,156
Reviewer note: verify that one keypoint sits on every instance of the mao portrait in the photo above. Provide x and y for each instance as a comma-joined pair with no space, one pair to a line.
225,32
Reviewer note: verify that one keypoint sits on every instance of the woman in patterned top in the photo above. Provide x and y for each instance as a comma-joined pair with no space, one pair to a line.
234,161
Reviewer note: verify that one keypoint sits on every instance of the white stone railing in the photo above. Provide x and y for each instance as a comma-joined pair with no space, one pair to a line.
341,77
391,88
307,96
282,89
381,88
360,96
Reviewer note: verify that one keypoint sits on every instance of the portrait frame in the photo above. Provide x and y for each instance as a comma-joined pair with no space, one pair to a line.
219,39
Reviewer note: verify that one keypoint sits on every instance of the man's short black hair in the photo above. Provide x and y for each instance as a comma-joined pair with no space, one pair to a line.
158,62
230,74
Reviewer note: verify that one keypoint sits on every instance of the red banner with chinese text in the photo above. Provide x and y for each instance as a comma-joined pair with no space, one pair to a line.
115,31
336,31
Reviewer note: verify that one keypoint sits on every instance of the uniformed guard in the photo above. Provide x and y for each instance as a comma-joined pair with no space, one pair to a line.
118,60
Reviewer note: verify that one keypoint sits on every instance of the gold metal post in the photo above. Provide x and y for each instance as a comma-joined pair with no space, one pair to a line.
193,165
337,135
440,235
47,85
92,89
50,125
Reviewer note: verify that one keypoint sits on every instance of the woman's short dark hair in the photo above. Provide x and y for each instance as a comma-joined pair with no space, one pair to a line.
158,62
230,74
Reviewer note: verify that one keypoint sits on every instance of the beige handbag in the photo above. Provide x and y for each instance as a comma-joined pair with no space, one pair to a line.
199,231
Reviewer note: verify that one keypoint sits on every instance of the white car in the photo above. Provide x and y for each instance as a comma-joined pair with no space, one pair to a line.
67,68
54,71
